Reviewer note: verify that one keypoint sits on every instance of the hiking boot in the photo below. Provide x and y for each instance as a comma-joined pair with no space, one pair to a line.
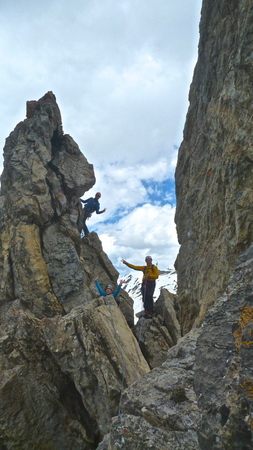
148,316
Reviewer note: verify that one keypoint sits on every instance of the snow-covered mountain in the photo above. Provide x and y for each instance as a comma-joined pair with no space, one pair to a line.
167,279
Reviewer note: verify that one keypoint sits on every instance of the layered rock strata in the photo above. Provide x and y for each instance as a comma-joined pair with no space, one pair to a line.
214,174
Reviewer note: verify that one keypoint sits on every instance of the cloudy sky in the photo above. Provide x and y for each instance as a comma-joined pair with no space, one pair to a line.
120,71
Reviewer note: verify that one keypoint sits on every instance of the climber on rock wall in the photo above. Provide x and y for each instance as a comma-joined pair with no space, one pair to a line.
91,205
109,289
150,274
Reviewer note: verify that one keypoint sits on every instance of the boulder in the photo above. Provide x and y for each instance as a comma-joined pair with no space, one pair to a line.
154,340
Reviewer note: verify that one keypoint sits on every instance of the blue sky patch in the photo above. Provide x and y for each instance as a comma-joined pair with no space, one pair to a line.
161,192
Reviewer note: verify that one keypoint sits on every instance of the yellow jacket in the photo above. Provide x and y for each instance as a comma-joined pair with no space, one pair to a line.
150,272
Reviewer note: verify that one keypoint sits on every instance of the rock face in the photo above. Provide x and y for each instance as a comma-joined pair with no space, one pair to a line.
224,365
66,354
214,215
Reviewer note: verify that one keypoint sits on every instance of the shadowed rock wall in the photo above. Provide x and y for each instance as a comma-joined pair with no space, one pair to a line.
214,174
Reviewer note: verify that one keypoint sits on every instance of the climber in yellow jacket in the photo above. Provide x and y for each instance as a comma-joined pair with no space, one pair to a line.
150,275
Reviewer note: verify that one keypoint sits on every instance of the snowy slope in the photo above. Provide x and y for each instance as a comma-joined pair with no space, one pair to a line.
167,279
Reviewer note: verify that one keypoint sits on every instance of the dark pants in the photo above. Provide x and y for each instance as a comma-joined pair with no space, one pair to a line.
86,216
147,290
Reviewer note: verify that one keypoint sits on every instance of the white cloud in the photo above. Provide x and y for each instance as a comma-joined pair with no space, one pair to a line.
148,229
120,70
122,186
